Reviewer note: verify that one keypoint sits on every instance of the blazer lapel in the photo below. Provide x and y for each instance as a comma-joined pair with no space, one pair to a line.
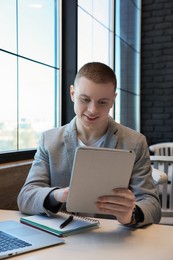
70,141
111,138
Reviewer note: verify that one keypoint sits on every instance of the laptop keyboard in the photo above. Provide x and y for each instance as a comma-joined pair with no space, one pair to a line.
8,242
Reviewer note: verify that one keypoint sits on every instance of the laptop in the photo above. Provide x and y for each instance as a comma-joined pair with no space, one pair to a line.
17,238
96,172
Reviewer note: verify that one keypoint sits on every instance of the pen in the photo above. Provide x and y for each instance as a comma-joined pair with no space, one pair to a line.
67,221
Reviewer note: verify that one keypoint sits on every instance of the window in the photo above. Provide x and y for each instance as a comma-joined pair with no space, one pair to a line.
32,74
127,62
29,65
118,45
95,31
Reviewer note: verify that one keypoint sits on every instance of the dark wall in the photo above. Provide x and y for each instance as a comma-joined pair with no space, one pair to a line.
157,71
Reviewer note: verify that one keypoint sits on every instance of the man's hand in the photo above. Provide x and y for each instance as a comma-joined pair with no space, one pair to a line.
120,204
61,194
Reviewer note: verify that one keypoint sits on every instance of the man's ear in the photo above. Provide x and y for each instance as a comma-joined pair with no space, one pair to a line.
115,96
72,92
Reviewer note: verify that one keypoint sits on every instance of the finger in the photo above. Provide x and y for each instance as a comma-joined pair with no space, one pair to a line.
116,203
123,192
113,206
124,200
120,192
123,214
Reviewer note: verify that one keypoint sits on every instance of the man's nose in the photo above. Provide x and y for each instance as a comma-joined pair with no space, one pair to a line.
93,108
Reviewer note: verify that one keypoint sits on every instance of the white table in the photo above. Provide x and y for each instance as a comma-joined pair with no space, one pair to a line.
110,241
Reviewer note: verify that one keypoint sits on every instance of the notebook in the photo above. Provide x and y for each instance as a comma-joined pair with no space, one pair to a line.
95,172
16,238
52,224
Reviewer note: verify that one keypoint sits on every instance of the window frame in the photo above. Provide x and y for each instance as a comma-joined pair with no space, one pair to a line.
68,70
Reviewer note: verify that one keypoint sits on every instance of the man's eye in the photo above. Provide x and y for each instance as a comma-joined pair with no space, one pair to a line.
102,102
85,100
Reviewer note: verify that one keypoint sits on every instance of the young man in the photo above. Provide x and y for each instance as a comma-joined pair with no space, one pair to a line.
46,187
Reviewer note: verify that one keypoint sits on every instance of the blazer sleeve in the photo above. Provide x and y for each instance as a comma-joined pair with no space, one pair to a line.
142,184
37,186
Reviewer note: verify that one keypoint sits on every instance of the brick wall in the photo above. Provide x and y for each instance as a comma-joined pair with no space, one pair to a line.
157,71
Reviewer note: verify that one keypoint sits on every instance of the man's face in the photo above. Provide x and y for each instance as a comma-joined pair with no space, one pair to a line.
92,102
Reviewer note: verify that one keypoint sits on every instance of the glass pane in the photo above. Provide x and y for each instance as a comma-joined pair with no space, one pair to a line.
8,102
99,9
30,91
36,30
129,23
36,102
127,60
84,38
8,25
86,5
129,68
130,111
100,43
102,11
94,35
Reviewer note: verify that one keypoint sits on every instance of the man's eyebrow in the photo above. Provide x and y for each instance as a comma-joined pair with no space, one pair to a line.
101,99
104,99
83,95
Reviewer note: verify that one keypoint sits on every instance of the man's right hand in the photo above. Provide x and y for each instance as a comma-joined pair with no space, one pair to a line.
61,194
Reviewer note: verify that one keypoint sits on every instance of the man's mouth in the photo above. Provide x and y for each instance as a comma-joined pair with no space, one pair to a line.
91,118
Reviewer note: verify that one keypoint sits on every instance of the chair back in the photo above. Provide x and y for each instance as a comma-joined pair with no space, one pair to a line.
165,190
162,149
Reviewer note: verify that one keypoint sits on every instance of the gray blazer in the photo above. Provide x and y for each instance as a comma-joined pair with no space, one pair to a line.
54,159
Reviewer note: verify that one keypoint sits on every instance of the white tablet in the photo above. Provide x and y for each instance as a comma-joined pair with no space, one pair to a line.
96,171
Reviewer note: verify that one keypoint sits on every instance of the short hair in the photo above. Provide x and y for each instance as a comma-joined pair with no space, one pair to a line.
97,72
